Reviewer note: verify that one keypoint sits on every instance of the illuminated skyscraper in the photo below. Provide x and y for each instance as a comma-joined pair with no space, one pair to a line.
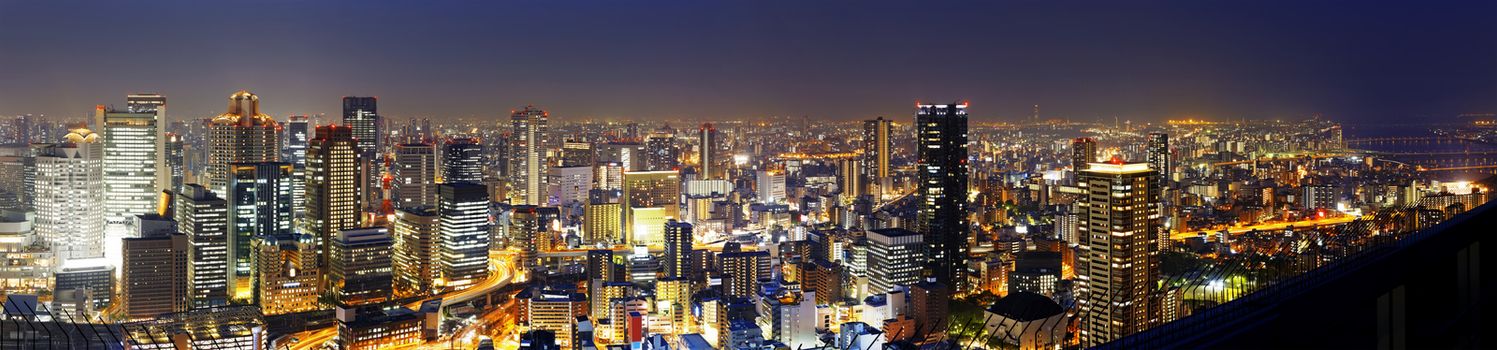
297,135
577,153
204,218
1083,152
1159,157
415,175
894,259
527,162
941,216
175,158
288,277
1118,269
17,162
259,196
416,251
132,156
332,185
603,215
462,160
770,185
568,186
155,259
526,224
650,198
878,146
713,163
678,240
146,103
661,152
463,226
241,135
362,114
851,179
70,194
361,269
740,272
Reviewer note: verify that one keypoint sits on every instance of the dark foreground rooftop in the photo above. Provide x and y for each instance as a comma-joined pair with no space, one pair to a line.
1424,291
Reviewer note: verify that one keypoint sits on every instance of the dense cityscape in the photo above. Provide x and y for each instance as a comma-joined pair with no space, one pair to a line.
537,232
885,175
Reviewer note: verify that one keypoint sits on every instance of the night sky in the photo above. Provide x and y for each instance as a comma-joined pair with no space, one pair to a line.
1354,61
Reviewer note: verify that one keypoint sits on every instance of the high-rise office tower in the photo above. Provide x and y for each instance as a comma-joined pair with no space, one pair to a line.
204,218
894,259
525,226
1083,152
712,161
462,160
1119,267
1159,157
332,185
259,196
241,135
146,103
288,277
416,251
577,153
650,198
527,162
132,155
297,136
851,178
175,157
415,175
770,185
362,114
600,264
878,146
629,156
661,152
69,194
603,217
740,272
678,239
941,216
929,305
361,270
568,186
16,164
154,268
463,226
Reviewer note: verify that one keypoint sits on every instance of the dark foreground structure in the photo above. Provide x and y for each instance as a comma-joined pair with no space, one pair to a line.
1424,291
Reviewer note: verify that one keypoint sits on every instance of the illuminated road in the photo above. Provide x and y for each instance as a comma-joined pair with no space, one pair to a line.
501,272
1270,226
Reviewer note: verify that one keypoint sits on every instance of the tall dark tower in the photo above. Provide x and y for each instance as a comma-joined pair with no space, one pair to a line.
1159,157
712,164
1083,151
362,114
878,144
677,249
941,158
462,160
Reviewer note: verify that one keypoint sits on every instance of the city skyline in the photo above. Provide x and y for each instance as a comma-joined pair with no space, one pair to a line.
1088,62
758,176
